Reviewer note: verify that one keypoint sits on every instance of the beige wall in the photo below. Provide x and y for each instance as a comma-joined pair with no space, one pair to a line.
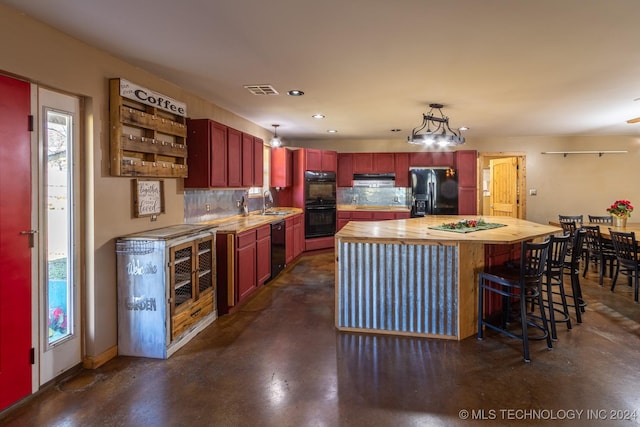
37,53
40,54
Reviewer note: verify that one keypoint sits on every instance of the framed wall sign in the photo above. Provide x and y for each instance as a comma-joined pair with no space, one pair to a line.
148,197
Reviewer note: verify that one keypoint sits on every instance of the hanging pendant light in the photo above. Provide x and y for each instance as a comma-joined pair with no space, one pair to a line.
275,140
441,136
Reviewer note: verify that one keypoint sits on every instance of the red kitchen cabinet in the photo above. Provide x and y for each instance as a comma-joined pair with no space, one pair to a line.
466,166
320,160
383,215
345,170
222,157
313,160
467,200
247,160
344,216
373,163
245,264
234,155
207,154
258,162
329,161
363,163
401,168
294,237
281,167
298,235
431,158
263,254
383,163
288,240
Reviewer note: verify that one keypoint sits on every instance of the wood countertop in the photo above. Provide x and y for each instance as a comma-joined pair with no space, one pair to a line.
239,223
417,231
359,208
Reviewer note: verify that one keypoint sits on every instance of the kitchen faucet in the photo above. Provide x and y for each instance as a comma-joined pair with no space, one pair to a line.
266,194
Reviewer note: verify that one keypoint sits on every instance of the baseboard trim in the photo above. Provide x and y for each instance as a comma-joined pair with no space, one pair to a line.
94,362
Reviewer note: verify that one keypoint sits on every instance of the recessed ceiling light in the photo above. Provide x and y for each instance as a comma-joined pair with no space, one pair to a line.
332,131
318,116
463,128
396,130
295,92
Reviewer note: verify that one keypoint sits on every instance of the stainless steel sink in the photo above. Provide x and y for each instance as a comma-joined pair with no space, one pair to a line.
276,213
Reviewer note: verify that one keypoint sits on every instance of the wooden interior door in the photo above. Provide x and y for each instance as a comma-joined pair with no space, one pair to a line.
15,248
503,200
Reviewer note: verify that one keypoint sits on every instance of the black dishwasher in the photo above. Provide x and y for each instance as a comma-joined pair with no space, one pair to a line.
278,248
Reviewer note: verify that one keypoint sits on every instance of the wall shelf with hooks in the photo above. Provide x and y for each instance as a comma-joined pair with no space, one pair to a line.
598,152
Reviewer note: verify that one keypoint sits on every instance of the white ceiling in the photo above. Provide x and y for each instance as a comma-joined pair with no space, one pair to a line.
501,67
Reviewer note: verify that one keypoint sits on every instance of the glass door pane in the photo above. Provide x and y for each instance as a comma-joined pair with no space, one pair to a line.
58,195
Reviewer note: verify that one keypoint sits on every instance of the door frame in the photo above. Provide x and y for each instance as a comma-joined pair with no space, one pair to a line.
483,163
76,250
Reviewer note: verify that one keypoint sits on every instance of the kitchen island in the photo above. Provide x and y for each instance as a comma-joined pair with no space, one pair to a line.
403,277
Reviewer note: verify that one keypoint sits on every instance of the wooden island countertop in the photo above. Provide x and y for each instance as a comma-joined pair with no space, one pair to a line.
417,231
401,277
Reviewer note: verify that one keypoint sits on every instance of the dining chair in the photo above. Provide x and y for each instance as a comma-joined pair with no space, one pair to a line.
626,249
572,268
579,219
521,285
601,219
602,256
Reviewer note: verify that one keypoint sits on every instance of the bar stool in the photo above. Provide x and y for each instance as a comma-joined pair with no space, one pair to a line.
522,285
572,268
601,255
626,248
554,279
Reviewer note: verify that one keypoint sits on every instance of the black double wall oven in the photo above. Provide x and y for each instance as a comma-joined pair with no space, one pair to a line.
320,204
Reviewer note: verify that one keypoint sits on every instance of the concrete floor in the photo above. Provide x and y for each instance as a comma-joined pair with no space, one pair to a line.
279,361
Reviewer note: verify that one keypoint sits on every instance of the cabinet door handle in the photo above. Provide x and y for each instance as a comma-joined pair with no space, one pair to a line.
195,313
31,234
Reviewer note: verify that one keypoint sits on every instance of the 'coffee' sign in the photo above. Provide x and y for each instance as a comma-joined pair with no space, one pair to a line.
146,96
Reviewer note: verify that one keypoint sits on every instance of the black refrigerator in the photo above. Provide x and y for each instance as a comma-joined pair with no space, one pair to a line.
434,191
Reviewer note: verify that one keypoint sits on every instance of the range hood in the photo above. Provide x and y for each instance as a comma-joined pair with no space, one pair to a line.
374,180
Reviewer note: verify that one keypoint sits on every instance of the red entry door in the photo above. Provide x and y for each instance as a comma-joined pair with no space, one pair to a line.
15,253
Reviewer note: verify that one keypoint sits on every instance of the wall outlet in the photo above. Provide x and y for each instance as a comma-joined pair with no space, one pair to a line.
533,192
207,207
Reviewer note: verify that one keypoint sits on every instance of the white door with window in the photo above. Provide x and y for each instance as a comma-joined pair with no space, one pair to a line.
59,320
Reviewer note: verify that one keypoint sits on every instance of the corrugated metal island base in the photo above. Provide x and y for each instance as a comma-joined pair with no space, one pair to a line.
402,277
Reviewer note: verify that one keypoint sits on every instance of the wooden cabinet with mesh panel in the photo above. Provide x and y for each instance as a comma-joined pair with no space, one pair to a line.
192,279
166,288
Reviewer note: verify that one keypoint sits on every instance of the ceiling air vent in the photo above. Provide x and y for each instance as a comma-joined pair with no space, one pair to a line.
261,89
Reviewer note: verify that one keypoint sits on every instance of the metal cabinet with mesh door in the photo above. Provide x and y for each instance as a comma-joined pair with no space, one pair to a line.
166,288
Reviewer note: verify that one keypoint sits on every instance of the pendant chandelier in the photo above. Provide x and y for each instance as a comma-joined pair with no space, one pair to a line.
441,135
275,140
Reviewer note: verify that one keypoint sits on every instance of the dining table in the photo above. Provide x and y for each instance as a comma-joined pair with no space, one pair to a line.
604,228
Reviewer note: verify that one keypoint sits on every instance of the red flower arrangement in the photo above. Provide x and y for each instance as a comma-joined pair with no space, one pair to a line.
622,208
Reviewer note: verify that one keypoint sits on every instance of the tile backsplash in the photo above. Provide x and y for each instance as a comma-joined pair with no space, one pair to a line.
365,196
222,203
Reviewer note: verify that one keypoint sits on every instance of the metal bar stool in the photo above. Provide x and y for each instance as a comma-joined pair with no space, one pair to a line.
523,285
572,268
601,255
553,283
626,248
